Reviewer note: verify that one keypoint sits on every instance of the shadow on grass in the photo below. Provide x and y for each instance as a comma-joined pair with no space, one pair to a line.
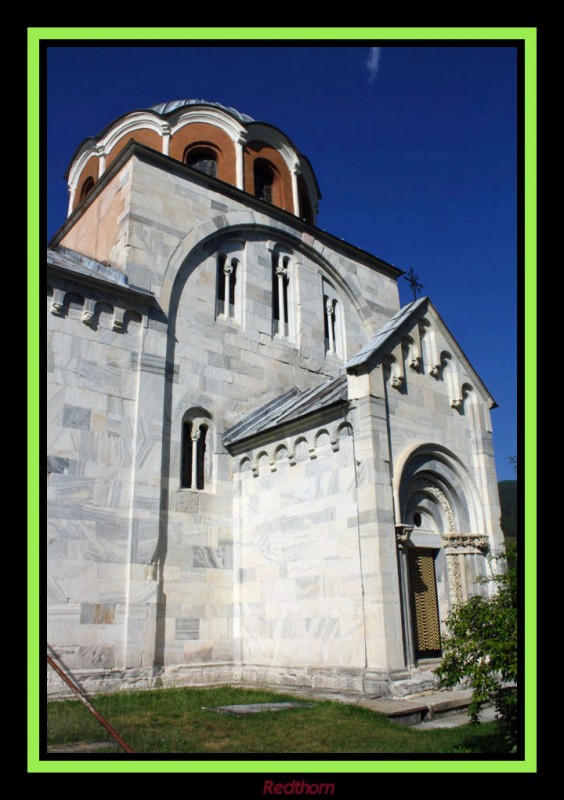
492,743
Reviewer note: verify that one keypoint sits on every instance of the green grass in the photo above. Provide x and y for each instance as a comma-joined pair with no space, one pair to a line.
176,721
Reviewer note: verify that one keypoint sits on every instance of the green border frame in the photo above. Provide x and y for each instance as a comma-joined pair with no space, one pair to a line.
35,673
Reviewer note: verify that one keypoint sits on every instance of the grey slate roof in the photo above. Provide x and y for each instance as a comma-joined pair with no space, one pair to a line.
386,333
80,265
288,407
174,105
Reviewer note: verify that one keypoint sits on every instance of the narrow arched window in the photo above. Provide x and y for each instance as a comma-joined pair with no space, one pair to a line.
227,269
332,322
264,180
193,458
87,186
230,281
280,287
203,159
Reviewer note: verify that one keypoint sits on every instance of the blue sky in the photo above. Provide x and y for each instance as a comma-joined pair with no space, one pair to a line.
414,148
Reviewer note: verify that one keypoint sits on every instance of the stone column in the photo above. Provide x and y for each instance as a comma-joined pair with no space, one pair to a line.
239,172
72,192
295,192
330,311
403,535
227,271
281,272
195,435
101,161
166,132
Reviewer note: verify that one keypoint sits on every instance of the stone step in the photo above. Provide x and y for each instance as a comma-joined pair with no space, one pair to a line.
415,710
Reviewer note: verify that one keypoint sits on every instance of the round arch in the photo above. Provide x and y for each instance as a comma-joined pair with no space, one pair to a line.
432,481
237,223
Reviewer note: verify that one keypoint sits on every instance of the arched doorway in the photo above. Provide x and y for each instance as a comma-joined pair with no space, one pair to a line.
441,546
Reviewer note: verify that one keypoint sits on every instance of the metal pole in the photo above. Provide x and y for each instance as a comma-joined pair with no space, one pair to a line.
85,701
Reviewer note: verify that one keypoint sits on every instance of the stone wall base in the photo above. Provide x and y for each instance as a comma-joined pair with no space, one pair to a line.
376,683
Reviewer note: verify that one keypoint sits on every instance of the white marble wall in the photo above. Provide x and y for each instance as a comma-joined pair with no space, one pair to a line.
299,596
262,572
92,408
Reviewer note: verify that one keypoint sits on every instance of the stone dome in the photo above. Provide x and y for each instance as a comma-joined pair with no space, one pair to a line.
207,136
175,105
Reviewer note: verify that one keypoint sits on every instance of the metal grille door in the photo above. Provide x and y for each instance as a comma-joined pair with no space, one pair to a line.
424,605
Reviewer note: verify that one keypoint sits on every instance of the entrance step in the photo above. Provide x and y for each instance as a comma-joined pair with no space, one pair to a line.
414,711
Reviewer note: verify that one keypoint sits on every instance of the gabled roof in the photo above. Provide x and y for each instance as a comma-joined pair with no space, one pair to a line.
400,324
386,333
288,407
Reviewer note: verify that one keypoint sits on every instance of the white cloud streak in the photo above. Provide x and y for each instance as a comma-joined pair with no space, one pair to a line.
373,63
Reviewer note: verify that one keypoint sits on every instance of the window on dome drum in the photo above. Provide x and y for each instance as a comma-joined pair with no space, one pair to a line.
87,186
280,285
227,267
202,160
264,180
194,433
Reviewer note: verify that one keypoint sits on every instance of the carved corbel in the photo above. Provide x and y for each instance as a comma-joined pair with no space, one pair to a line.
88,316
57,304
403,534
457,403
117,324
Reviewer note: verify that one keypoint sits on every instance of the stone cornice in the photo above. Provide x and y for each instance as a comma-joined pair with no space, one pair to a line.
101,281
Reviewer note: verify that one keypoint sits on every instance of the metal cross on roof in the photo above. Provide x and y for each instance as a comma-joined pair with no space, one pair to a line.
414,282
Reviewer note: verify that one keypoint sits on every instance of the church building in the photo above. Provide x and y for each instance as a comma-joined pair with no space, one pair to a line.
261,469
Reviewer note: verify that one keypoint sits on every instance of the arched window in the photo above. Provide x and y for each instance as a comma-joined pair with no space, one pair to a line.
193,467
280,286
87,186
333,322
264,180
226,285
229,281
203,159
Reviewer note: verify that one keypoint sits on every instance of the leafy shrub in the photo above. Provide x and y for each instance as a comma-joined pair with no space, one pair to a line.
481,648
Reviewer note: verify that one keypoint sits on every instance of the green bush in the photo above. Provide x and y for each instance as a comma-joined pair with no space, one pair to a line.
481,648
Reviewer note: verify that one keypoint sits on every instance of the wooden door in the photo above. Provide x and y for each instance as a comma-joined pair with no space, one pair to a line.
423,603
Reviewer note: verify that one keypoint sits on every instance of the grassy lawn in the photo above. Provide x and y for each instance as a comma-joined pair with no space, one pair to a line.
175,721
